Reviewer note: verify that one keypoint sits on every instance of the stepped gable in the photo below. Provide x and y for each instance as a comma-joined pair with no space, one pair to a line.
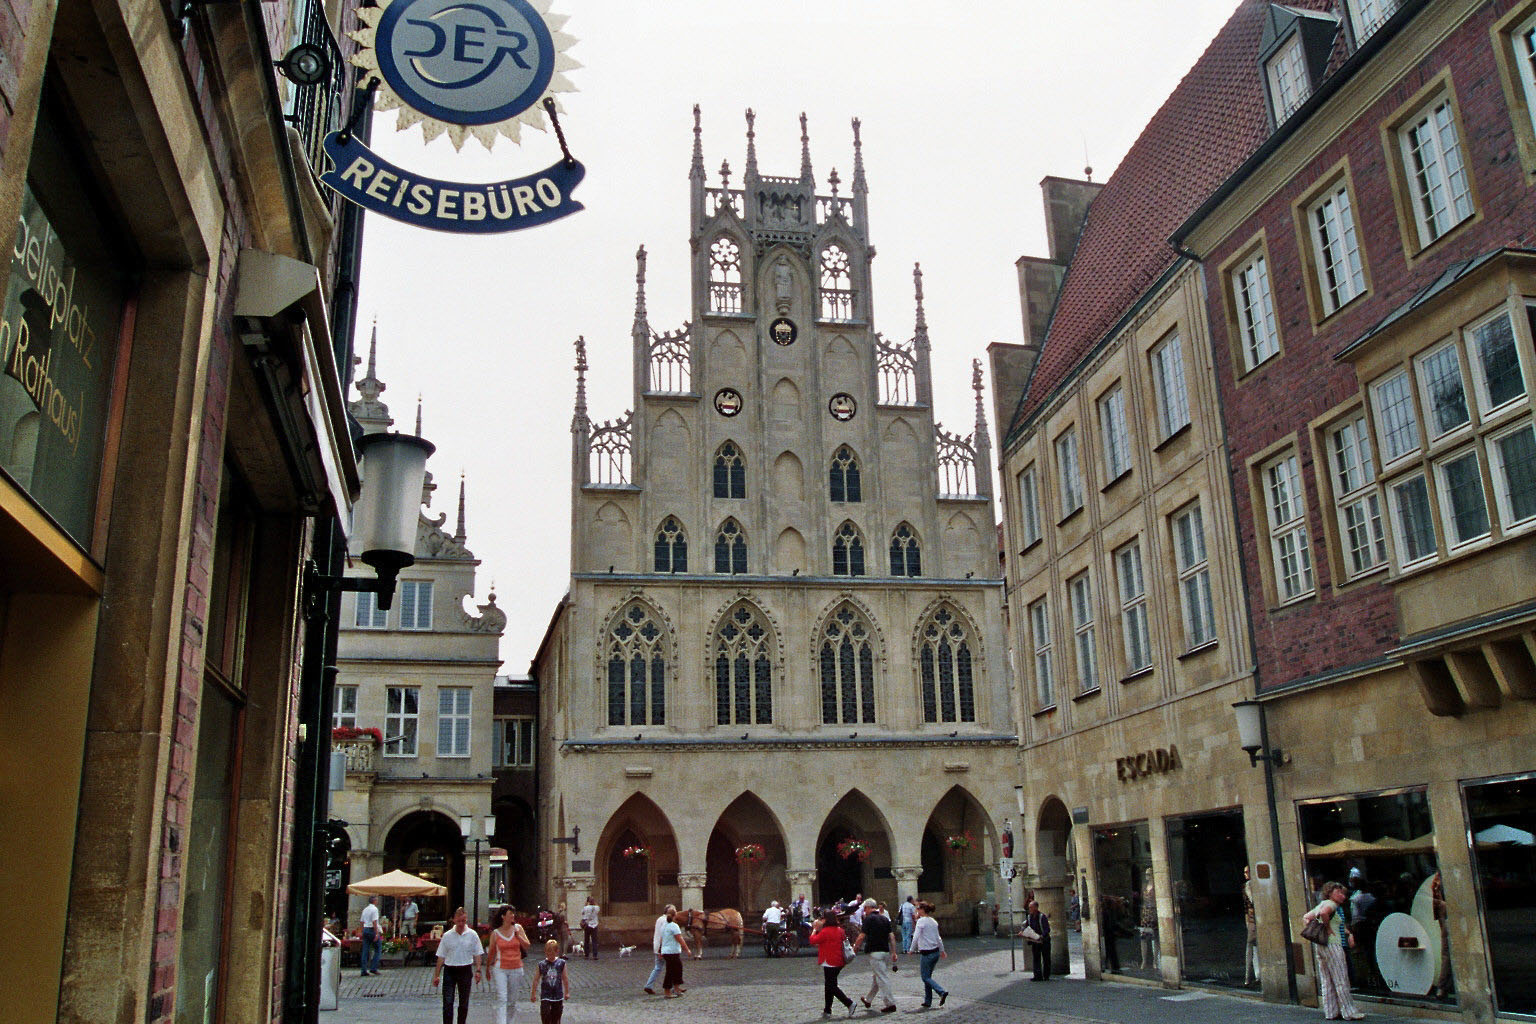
1208,126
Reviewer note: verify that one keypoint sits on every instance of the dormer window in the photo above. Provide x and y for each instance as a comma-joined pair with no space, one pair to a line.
1366,16
1293,56
1288,84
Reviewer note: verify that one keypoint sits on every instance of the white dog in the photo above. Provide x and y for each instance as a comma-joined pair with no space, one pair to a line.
577,949
626,950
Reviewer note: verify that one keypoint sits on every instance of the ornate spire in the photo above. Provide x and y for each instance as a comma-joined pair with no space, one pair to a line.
696,169
371,413
751,171
860,186
725,174
834,181
418,414
920,346
642,323
581,383
805,152
982,438
921,331
458,531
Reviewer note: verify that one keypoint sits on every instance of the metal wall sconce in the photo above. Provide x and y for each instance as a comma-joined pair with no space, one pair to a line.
305,64
1252,734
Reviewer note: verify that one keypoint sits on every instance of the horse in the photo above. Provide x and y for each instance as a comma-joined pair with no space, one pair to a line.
698,922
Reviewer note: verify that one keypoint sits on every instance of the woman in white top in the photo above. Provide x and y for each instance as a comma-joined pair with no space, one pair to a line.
1332,971
929,946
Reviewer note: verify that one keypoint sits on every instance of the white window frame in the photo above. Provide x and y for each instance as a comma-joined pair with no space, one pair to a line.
1040,634
1395,417
344,714
412,608
1366,16
1523,39
1130,573
1080,594
1115,433
395,722
1029,504
1289,83
1485,407
1194,571
1399,533
369,615
1169,386
1362,534
1069,471
1255,306
515,735
1427,397
455,720
1498,471
1445,494
1336,248
1285,507
1435,169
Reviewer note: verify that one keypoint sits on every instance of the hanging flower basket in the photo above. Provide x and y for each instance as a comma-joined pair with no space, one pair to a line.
635,852
962,841
751,853
853,849
352,734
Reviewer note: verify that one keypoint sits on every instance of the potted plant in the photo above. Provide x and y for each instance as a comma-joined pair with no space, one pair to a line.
853,849
635,852
353,734
962,841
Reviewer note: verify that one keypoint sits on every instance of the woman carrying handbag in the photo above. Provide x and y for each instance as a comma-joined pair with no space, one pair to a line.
1324,926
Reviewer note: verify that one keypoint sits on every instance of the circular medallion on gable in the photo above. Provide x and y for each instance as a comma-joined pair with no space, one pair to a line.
727,401
842,406
783,331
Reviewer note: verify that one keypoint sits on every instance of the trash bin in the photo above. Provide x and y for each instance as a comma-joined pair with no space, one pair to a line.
330,976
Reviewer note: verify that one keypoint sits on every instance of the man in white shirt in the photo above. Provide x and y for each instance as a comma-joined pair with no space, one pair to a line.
408,918
661,923
773,922
589,929
368,958
459,954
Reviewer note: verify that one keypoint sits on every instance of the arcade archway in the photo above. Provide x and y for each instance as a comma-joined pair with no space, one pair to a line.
1053,871
637,860
731,882
429,844
842,871
955,851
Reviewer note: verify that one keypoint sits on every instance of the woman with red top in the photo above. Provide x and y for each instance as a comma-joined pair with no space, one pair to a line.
504,964
828,939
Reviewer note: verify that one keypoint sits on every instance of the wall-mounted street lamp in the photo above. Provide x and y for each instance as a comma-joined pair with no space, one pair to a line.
1251,734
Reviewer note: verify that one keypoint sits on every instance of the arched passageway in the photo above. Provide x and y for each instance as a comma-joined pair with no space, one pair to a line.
734,880
429,844
637,861
853,852
1054,872
515,879
955,852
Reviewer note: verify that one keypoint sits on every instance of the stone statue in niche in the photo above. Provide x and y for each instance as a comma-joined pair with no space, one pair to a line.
783,285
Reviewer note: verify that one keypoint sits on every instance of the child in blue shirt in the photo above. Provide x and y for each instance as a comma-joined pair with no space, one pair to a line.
551,985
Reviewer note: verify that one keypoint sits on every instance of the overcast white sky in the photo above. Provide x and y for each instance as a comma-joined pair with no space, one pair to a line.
965,107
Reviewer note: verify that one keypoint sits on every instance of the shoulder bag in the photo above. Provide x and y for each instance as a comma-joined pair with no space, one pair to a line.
1315,930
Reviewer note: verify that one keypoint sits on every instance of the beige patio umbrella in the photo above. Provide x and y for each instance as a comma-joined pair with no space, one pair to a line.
1341,848
396,883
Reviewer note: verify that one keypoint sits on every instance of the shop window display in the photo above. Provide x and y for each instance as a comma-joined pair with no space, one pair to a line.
1128,931
1381,848
1502,816
1207,858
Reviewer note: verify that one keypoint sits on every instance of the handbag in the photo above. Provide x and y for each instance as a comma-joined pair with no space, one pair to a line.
1315,930
848,953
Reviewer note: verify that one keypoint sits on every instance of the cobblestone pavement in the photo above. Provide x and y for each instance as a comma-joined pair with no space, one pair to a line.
754,990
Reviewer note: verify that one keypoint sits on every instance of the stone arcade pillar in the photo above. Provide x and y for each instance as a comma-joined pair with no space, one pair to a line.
692,885
906,882
801,880
573,896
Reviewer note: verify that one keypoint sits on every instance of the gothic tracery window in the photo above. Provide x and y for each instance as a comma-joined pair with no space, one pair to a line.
847,551
730,549
637,669
836,284
847,669
725,276
730,472
906,554
944,662
671,547
743,670
843,478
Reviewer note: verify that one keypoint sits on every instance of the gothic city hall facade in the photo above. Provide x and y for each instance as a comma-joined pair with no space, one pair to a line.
784,625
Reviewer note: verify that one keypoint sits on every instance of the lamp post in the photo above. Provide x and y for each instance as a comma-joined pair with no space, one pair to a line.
466,825
1253,737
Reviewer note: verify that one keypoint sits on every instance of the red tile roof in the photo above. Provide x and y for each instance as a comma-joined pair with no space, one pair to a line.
1214,119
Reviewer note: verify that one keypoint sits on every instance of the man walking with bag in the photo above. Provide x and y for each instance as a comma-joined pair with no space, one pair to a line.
1037,932
876,941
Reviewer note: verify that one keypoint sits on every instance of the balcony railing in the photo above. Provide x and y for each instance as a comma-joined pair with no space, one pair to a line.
317,110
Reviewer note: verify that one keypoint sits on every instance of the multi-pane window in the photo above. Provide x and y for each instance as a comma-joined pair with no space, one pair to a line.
725,276
415,598
671,547
906,555
1069,472
1169,387
637,669
730,549
847,669
743,670
730,472
402,715
1354,493
1437,175
836,284
1513,457
453,717
1255,311
1368,15
1287,508
847,551
1029,506
843,478
1289,85
1524,40
1081,591
1194,577
369,614
1040,633
1412,522
1463,505
512,743
1495,362
1444,393
1117,440
1340,271
345,714
1133,607
1396,422
944,663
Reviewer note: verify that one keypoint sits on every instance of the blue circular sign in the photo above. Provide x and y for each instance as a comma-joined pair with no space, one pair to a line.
466,62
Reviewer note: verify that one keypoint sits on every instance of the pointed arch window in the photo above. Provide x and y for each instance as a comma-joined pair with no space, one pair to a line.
743,670
843,478
637,669
944,661
730,472
847,551
847,669
730,549
725,276
671,547
906,553
836,284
